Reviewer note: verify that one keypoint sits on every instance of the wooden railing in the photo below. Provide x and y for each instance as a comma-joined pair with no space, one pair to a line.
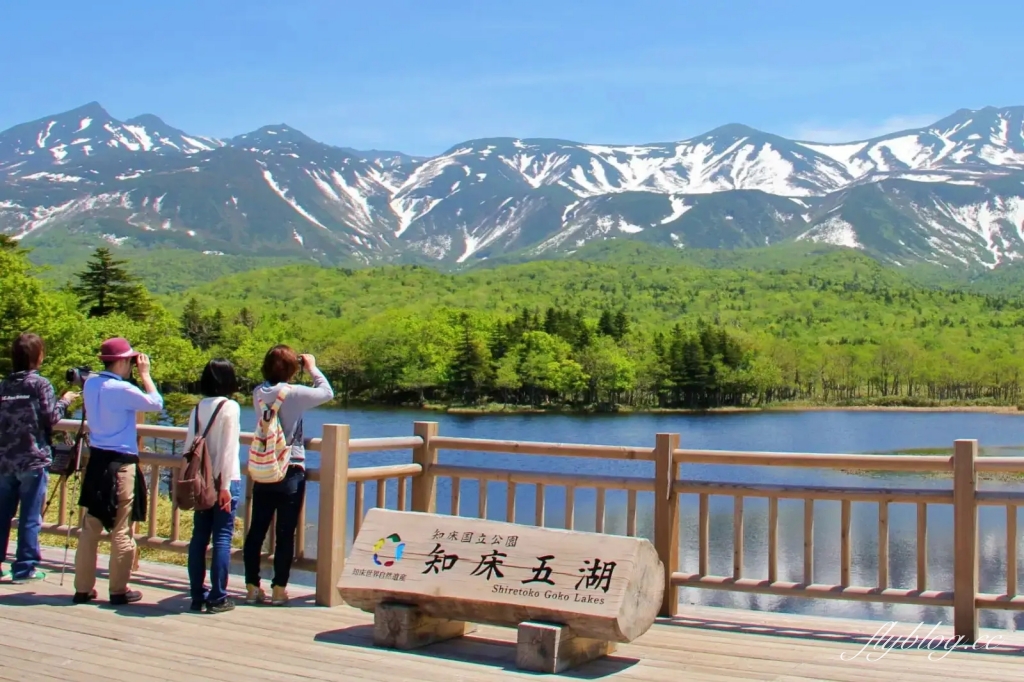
418,491
332,476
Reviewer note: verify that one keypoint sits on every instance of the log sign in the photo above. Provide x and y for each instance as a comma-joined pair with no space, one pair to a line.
604,587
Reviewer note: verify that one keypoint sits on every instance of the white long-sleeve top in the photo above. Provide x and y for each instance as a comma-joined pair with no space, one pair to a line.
222,441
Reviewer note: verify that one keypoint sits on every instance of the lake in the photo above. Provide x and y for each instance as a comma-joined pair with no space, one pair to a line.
816,431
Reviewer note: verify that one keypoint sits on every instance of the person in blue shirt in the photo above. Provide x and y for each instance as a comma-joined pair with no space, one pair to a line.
113,487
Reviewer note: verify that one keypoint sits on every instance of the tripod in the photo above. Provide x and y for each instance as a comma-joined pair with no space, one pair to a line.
76,477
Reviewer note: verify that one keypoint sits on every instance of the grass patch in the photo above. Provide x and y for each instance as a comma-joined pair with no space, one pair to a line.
990,451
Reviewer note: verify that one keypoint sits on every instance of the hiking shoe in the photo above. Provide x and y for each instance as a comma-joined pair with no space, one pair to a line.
279,596
83,597
221,606
129,597
255,595
31,577
197,605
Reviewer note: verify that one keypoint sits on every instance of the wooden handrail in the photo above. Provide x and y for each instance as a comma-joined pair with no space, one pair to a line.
816,492
668,481
384,472
535,448
817,460
1000,465
545,478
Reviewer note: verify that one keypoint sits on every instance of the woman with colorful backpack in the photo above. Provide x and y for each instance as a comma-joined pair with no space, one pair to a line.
216,420
277,465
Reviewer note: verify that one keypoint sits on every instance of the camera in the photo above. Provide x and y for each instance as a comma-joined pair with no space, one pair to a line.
76,376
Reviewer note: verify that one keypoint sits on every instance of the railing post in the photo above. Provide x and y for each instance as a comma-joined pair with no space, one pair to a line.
965,540
666,516
424,486
332,522
140,420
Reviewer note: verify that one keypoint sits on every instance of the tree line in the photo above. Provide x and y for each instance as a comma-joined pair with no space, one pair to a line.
744,343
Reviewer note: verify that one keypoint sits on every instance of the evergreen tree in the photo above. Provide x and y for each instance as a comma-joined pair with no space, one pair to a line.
107,287
192,323
202,329
620,325
216,334
469,368
246,319
606,324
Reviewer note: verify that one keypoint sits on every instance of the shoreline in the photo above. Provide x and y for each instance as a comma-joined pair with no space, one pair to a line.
513,410
625,411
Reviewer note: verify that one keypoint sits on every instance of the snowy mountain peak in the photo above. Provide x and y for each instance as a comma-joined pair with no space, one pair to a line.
92,109
89,133
950,192
733,130
272,135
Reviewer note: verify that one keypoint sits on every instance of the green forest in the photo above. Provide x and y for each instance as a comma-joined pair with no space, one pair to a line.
620,327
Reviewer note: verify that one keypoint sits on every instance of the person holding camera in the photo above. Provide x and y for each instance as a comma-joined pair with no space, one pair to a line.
284,497
113,487
28,413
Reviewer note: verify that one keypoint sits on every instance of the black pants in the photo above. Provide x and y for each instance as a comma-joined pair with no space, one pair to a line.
285,498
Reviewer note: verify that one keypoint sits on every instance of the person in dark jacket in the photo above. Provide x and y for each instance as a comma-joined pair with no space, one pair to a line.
28,412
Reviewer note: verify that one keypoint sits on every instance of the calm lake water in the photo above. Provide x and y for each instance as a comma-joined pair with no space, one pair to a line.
826,432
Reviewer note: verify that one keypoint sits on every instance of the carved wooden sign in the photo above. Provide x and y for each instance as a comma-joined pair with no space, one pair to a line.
604,587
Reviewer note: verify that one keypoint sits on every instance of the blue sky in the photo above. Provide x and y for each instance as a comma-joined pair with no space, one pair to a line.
423,75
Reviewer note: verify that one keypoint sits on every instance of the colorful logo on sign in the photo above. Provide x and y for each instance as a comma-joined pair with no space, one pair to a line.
379,545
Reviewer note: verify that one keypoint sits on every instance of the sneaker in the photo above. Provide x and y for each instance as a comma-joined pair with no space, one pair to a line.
280,596
221,606
197,605
255,595
129,597
31,577
83,597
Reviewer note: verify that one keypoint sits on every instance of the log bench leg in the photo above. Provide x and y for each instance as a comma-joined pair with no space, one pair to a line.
550,648
402,626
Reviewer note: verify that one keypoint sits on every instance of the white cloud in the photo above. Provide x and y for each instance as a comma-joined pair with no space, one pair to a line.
855,131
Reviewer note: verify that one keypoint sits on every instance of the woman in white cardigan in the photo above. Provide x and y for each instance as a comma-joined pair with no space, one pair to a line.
217,384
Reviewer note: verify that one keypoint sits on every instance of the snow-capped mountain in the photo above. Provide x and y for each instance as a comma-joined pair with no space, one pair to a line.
951,193
88,134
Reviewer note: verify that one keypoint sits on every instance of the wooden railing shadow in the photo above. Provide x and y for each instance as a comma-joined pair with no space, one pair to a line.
856,640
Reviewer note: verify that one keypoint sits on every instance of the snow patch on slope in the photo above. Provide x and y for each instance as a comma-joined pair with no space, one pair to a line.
834,231
537,171
53,177
44,135
283,193
679,207
507,222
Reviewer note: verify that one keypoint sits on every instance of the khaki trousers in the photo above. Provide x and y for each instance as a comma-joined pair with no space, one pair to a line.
122,543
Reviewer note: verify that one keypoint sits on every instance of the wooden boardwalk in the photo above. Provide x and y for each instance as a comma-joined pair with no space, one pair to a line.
45,637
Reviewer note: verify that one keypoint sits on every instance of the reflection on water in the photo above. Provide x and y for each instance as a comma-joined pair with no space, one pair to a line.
911,433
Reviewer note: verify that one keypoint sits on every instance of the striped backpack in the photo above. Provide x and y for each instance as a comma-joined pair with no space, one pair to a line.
270,452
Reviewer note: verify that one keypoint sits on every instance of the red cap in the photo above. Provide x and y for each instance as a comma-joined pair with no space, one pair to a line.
116,349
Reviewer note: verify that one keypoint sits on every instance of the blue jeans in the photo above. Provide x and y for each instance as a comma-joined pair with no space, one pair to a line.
218,525
29,490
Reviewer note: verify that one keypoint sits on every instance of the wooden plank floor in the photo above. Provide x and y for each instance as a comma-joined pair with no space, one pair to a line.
45,637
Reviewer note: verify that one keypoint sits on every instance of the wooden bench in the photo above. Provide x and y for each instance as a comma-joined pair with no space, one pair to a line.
572,595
